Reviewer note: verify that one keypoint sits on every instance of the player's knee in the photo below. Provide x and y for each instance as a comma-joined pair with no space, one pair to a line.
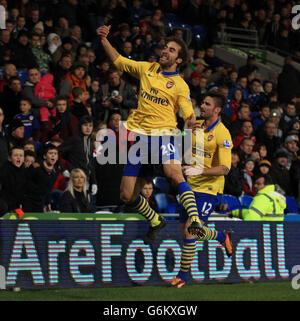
176,177
126,197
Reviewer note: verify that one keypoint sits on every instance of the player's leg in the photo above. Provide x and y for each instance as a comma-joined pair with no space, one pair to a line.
130,189
172,170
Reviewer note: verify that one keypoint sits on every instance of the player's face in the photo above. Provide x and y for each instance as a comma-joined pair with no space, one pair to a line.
208,108
169,56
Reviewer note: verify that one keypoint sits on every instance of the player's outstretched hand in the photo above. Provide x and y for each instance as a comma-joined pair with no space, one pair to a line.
103,31
192,171
190,122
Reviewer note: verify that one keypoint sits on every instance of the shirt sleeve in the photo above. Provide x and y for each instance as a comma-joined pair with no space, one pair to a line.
185,103
224,143
134,68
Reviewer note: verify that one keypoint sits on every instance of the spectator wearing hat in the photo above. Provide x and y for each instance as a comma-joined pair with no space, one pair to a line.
16,134
198,65
75,78
78,152
194,85
66,48
22,56
295,177
250,66
264,167
280,173
290,147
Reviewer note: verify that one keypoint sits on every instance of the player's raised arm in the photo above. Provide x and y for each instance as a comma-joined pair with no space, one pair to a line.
110,51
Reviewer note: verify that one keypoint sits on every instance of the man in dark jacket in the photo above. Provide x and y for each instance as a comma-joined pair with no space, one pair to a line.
78,152
13,181
41,178
295,178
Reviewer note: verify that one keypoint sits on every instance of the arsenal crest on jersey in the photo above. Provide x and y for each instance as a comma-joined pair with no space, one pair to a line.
170,84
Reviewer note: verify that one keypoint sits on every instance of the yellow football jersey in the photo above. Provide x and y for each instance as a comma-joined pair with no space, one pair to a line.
161,95
217,152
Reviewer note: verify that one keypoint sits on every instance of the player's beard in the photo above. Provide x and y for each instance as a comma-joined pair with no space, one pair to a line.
166,64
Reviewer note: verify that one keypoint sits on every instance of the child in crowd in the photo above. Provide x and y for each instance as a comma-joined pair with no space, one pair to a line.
30,158
27,118
264,167
45,90
248,185
78,108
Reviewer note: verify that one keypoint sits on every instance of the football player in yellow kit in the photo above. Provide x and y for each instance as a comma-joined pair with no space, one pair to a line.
162,92
206,179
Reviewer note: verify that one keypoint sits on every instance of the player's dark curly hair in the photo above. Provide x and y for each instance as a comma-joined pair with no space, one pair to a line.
218,97
183,52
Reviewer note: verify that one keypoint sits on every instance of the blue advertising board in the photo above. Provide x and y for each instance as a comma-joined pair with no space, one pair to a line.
40,254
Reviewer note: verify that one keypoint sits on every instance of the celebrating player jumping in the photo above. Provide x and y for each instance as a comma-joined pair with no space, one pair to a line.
162,93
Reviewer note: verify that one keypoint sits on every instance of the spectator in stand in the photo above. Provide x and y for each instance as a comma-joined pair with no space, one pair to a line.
34,76
41,178
288,85
12,181
3,140
272,30
27,118
194,85
275,116
75,78
16,134
117,94
263,115
290,147
245,132
264,167
9,71
45,91
66,48
123,35
268,89
33,18
245,150
30,158
234,179
10,98
78,152
255,97
42,58
5,46
248,184
235,102
62,27
78,108
243,113
260,152
280,174
19,27
289,115
76,198
61,69
53,42
242,84
95,100
21,53
250,67
269,139
295,178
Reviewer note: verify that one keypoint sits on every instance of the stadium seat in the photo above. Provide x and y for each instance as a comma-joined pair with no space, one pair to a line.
160,184
291,205
162,202
245,200
171,208
232,202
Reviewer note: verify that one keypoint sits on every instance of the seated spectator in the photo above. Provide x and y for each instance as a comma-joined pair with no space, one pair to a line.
34,76
245,150
248,184
61,69
3,140
194,85
27,118
234,179
43,59
75,78
78,152
263,115
245,132
269,139
95,100
260,152
290,147
255,97
41,178
9,71
10,98
78,108
280,174
76,198
19,27
289,115
22,56
264,167
295,178
117,94
53,42
62,27
66,48
15,135
30,158
236,102
251,66
12,181
242,83
243,113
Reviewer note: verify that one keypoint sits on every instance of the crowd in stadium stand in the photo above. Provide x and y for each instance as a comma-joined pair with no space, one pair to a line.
56,79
